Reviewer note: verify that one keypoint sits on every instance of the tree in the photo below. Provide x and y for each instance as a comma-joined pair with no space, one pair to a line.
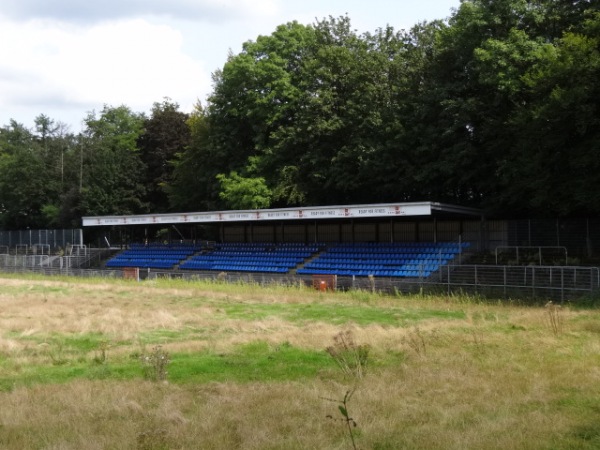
111,168
23,190
58,149
244,193
304,108
165,134
554,163
193,186
256,94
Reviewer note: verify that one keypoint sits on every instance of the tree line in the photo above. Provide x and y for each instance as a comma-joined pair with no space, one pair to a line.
497,106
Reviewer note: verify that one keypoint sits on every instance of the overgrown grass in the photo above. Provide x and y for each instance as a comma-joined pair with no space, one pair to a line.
248,368
254,361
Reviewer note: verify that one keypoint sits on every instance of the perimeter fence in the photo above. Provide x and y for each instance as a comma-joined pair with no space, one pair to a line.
41,238
558,283
522,283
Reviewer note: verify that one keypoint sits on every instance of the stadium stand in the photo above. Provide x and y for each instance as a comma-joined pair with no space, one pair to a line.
418,259
356,259
265,258
152,256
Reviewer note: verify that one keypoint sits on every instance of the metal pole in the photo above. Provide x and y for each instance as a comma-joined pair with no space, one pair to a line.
504,267
562,284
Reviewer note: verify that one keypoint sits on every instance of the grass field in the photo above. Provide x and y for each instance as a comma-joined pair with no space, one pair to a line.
252,368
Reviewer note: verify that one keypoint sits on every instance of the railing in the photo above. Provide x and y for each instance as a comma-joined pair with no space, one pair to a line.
65,271
42,249
77,250
53,238
507,282
7,260
527,247
33,261
556,282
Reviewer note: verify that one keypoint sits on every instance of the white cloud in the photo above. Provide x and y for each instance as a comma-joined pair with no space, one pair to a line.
63,58
89,11
131,62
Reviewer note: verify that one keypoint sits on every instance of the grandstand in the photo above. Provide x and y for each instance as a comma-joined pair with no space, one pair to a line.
402,240
398,247
365,259
410,260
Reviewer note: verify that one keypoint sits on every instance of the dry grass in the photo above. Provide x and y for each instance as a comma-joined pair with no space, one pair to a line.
498,378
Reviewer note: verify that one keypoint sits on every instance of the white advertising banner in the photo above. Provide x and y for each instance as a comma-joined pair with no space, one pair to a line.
314,213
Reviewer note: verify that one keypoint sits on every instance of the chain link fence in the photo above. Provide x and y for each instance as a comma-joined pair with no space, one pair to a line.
580,236
557,283
51,239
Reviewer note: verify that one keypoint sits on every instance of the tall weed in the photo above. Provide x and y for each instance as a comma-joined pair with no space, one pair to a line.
154,364
350,357
554,318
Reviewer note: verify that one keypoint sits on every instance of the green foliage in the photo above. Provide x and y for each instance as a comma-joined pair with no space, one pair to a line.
244,193
51,214
112,176
24,190
166,134
193,184
155,363
346,418
496,107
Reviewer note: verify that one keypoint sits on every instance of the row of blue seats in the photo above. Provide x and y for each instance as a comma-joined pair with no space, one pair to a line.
249,262
400,251
268,244
400,244
323,266
121,259
379,259
283,268
257,259
236,268
183,247
152,255
365,273
142,263
282,254
265,249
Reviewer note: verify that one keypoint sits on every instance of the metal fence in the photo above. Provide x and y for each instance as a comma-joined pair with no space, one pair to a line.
66,271
580,236
546,282
558,283
41,261
51,238
524,283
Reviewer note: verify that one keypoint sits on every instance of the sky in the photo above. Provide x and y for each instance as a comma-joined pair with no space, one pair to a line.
66,58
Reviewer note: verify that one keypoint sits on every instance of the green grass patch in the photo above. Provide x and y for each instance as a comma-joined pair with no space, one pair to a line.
28,375
59,358
257,361
72,343
337,314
